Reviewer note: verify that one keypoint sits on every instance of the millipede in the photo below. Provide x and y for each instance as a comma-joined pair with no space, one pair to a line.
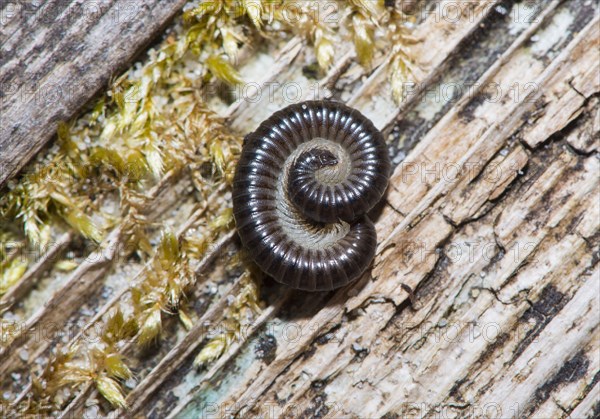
304,183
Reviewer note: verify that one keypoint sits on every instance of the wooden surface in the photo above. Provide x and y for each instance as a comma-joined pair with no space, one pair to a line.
55,56
492,218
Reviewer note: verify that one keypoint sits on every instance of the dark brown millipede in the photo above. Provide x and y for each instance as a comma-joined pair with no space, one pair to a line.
304,183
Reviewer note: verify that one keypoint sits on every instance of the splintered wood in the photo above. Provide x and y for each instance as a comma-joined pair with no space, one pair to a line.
491,220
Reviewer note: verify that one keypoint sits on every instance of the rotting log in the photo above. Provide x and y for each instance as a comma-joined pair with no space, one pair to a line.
483,299
47,74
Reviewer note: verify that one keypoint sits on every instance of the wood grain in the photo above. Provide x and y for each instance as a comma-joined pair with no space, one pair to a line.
56,56
483,297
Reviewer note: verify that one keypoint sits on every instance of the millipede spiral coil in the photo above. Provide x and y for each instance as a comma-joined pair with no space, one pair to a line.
304,183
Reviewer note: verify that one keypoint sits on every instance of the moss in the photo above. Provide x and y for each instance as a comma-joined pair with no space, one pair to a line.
150,125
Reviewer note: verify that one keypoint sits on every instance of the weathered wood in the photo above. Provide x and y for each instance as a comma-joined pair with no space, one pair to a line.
391,378
48,257
79,285
491,219
55,56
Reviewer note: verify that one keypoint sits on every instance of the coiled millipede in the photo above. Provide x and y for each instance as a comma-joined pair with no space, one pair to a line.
305,180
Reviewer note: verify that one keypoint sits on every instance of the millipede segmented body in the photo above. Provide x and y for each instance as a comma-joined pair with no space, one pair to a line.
305,180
